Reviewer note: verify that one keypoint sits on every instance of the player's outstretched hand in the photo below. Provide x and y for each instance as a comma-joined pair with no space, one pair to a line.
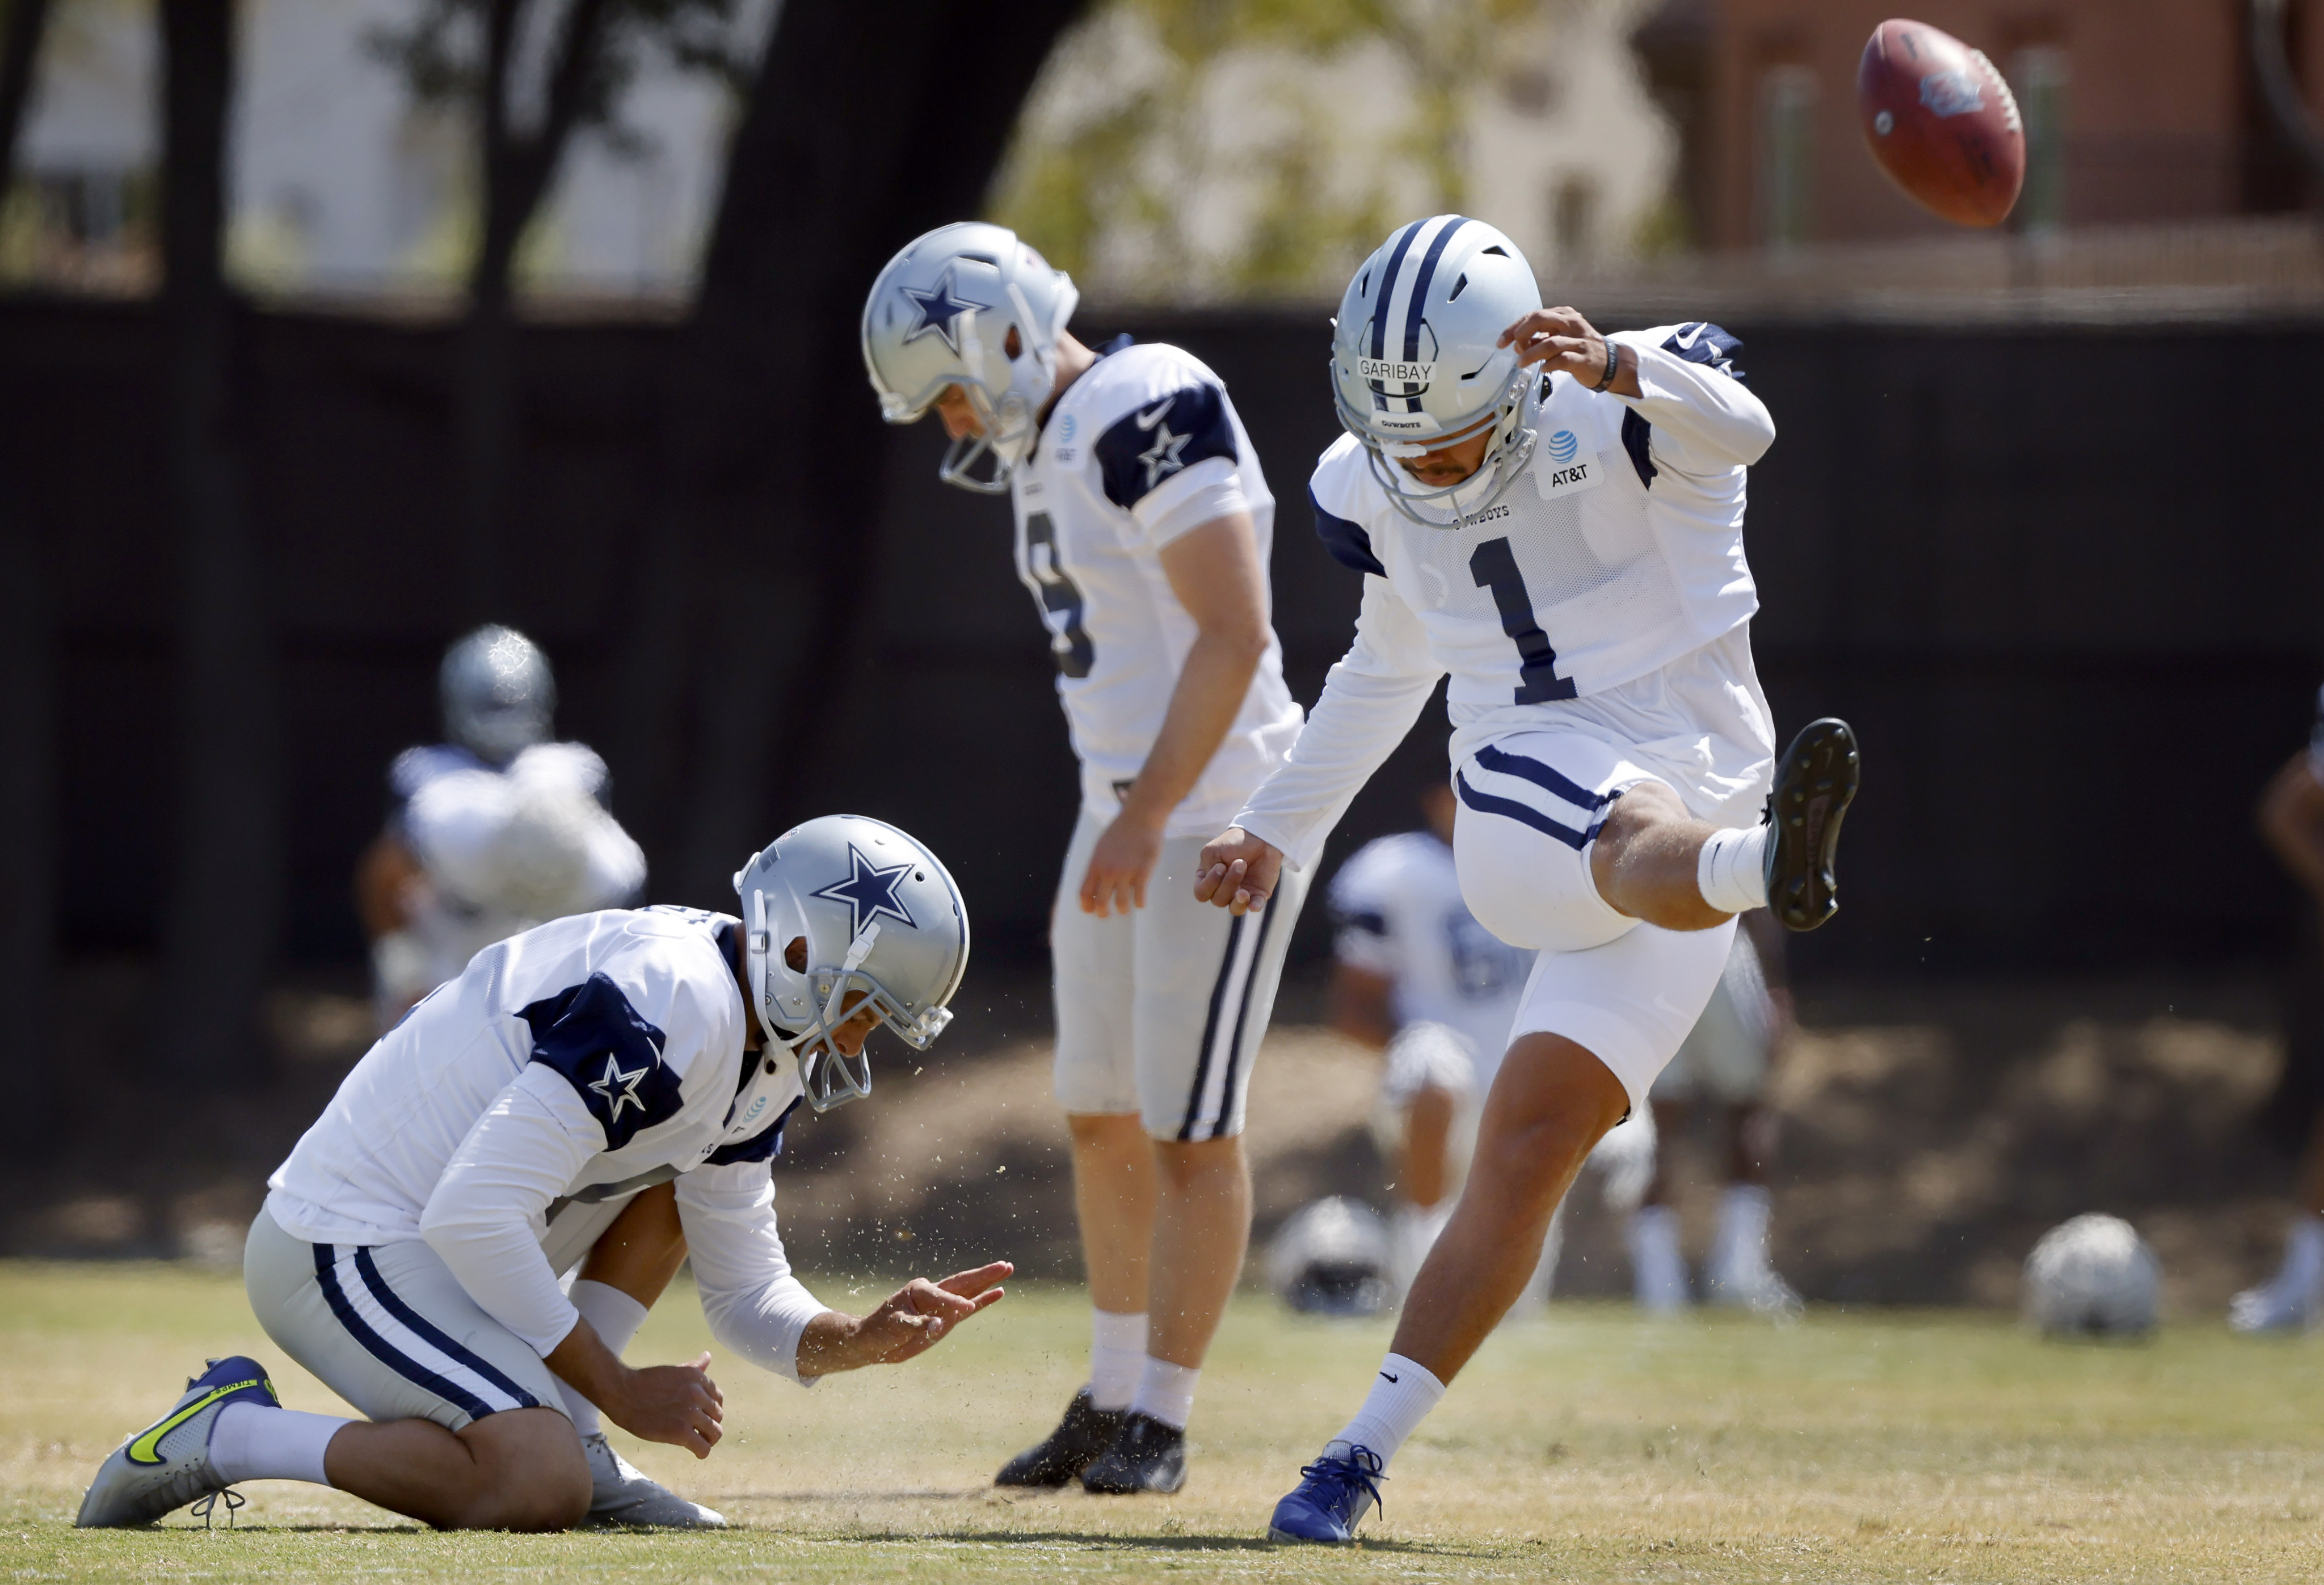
676,1404
910,1322
1238,871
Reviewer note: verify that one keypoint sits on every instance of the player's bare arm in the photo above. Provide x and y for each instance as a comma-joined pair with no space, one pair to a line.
1362,1006
906,1324
2291,821
1215,572
679,1404
1562,342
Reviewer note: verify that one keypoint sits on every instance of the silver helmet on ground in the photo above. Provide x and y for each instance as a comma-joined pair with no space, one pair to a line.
940,315
499,697
1334,1257
883,926
1416,363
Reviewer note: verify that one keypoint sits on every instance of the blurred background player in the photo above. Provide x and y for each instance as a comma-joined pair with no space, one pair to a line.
1723,1064
1419,979
492,830
2291,822
610,1086
1143,526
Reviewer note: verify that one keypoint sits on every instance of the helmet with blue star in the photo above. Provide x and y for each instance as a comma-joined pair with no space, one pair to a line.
881,929
941,314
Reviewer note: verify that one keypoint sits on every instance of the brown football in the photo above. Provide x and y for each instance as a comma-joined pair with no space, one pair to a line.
1942,123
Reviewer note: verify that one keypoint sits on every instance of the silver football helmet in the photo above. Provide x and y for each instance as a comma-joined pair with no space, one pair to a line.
879,915
499,697
940,315
1334,1257
1415,366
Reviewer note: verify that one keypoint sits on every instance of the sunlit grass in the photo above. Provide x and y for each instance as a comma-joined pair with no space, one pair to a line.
1585,1445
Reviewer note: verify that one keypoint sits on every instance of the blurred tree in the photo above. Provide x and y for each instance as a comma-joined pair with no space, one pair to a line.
866,126
468,53
1126,174
28,745
223,916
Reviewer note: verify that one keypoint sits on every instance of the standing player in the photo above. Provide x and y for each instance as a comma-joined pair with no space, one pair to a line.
1143,527
2291,822
494,830
1724,1063
615,1082
1555,518
1421,980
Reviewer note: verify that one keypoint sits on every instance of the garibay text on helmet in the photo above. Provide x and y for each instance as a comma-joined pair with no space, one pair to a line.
1415,367
940,315
879,915
499,697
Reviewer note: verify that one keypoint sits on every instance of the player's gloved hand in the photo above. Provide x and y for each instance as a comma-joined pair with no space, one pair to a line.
1125,855
1238,871
676,1404
910,1322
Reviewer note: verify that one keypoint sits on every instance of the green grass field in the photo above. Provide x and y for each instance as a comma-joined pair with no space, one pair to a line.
1584,1445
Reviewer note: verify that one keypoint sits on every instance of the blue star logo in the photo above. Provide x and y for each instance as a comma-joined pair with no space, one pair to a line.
934,311
620,1089
1162,458
868,891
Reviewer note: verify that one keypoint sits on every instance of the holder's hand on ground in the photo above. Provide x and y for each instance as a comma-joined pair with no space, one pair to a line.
676,1404
1238,871
1125,855
910,1322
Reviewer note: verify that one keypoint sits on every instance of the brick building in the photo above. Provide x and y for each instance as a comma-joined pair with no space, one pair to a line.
2136,111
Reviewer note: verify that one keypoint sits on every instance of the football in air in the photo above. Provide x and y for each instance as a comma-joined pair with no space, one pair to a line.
2093,1277
1942,123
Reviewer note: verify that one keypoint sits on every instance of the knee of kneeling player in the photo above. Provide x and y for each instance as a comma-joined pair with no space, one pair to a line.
537,1480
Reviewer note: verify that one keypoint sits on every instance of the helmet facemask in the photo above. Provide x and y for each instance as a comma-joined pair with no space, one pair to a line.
1461,504
834,995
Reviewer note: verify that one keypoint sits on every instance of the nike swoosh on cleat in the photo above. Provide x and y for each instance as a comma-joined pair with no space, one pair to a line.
147,1448
1146,421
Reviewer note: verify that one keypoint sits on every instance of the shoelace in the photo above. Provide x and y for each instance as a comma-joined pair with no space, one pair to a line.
203,1509
1362,1469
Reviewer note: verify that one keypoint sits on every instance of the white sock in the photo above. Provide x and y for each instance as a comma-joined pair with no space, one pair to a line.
1401,1393
1739,1245
2304,1251
251,1441
616,1317
1166,1392
1117,1357
1731,871
1657,1268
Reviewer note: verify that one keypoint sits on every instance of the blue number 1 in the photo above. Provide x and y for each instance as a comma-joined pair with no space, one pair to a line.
1494,566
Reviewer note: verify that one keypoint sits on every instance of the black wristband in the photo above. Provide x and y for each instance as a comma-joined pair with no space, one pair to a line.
1613,366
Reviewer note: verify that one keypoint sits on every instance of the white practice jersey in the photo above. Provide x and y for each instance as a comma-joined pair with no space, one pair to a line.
579,1061
1616,555
1397,906
1142,448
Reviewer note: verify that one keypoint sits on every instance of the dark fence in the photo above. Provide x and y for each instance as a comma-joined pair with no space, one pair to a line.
2068,583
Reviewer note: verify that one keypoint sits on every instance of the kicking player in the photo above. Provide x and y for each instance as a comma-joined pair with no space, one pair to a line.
615,1082
493,830
1555,518
1143,526
1724,1063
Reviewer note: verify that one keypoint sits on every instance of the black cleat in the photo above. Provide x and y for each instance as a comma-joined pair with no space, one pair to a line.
1815,781
1080,1437
1147,1456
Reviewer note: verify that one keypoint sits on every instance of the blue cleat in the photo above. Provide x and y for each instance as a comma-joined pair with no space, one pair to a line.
167,1465
1331,1497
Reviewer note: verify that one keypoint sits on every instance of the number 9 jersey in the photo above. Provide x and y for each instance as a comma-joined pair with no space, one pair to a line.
1143,447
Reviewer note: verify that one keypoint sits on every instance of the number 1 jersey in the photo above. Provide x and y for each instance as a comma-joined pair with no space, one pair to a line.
1142,448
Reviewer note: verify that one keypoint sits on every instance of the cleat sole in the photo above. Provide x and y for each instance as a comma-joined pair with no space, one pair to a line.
1814,789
